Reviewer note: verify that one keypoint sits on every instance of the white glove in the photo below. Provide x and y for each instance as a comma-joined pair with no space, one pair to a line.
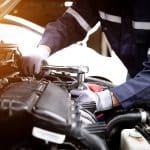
85,95
33,60
102,99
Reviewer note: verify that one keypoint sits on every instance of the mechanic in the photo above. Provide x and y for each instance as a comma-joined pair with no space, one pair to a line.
126,25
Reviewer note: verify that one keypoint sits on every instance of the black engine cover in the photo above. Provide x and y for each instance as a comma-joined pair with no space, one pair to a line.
24,104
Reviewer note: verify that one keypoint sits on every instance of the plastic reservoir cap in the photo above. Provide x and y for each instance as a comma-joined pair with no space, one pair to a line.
135,134
133,140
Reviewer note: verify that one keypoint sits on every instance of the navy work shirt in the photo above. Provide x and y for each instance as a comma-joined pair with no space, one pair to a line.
127,28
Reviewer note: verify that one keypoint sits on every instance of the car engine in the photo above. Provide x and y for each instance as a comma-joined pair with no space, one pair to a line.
39,113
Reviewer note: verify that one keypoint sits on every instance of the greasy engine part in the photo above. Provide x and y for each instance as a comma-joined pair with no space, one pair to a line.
39,113
10,59
47,107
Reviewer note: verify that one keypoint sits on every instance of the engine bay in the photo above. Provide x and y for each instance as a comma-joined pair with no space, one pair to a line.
38,112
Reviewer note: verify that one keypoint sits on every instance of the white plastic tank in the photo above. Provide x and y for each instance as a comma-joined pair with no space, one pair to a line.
131,139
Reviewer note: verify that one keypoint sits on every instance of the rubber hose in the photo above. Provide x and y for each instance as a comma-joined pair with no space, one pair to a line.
125,118
91,141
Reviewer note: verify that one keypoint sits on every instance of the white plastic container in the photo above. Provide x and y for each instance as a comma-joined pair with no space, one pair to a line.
131,139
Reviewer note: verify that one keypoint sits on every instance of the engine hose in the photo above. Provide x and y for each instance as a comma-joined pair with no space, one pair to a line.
91,141
134,117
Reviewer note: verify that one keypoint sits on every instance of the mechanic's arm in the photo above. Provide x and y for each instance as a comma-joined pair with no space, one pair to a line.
135,92
72,26
132,93
68,29
104,100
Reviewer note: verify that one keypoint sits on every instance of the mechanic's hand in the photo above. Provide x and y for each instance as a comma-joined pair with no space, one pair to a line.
84,95
102,99
33,60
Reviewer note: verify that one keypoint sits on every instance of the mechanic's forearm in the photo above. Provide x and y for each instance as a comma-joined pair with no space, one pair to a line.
115,101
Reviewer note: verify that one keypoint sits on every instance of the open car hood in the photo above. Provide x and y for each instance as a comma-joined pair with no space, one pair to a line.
6,6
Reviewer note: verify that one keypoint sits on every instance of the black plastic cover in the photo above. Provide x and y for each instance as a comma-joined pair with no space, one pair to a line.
54,104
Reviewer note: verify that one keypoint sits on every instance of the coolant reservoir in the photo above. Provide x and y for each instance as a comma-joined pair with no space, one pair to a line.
131,139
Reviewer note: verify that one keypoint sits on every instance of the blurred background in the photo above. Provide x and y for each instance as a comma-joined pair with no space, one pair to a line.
43,11
40,11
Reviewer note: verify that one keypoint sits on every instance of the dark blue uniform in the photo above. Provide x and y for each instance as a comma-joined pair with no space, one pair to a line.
126,25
